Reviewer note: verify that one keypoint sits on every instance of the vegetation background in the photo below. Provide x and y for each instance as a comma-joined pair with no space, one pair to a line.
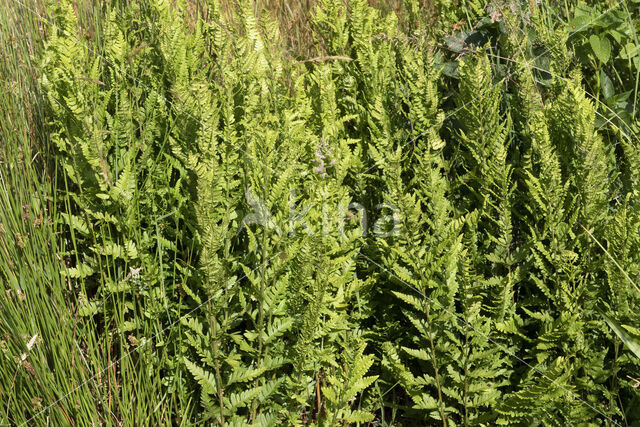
319,212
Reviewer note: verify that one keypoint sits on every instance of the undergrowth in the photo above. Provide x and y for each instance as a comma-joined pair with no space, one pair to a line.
319,213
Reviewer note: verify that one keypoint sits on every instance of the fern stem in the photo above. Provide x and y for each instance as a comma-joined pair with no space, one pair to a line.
434,360
435,366
261,296
216,348
465,398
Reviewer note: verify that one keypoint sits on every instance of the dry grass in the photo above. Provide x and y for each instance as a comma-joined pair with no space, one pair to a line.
294,18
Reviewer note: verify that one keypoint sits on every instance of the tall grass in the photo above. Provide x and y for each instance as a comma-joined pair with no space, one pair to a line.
40,357
62,371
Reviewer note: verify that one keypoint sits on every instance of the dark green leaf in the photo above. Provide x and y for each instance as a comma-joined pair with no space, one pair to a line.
601,47
606,84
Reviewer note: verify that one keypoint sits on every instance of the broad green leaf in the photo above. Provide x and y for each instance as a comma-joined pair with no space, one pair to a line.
601,47
606,84
630,50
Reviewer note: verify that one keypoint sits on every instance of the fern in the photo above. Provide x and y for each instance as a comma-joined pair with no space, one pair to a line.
273,237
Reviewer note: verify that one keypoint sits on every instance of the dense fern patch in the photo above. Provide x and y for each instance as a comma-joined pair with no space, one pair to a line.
433,221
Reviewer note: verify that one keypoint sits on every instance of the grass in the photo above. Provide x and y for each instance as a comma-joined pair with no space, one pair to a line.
61,370
44,356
